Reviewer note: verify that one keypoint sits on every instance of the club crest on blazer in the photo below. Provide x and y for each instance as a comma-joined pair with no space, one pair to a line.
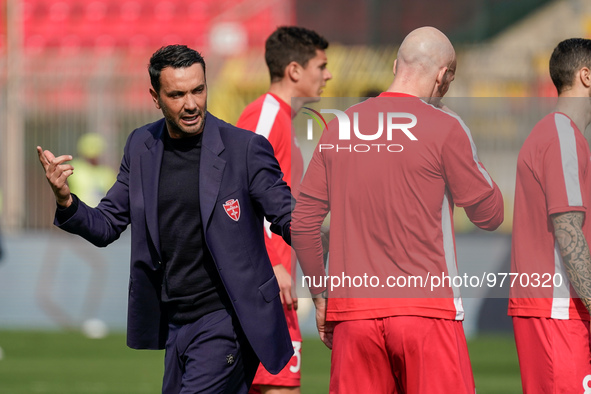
232,208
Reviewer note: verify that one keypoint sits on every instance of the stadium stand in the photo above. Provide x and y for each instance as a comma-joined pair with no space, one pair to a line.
84,67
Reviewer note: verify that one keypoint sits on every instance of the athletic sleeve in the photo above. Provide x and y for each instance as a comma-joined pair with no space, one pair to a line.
562,168
315,182
308,215
310,210
468,181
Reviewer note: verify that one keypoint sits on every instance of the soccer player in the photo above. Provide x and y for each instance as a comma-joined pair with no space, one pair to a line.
297,61
551,229
391,211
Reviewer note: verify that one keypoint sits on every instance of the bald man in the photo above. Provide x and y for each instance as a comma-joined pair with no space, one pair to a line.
391,202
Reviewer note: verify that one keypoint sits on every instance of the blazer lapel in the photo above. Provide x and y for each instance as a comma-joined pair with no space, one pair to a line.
211,168
151,160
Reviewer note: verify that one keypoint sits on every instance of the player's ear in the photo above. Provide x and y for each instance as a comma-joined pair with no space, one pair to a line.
440,76
154,97
394,67
293,71
585,76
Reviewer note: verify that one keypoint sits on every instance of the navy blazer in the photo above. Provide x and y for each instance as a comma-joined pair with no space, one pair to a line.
235,164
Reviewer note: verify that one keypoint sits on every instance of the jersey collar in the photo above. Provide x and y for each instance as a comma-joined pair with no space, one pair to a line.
395,94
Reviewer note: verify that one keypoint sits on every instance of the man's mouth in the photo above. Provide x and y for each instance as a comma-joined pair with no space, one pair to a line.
190,120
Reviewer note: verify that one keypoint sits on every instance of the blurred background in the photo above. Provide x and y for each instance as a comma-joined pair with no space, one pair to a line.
71,69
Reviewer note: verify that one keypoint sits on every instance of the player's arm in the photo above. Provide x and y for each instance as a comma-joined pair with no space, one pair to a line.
487,213
470,185
575,252
285,286
308,215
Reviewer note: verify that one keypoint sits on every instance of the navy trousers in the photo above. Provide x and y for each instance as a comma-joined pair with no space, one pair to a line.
210,355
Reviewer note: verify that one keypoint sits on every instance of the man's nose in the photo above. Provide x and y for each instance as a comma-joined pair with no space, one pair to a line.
190,103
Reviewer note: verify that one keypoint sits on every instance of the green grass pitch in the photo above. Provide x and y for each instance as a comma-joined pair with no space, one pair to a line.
69,363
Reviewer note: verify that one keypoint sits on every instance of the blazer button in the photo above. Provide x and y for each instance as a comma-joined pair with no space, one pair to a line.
160,262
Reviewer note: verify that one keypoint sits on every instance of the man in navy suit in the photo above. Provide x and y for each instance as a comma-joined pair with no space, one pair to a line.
195,190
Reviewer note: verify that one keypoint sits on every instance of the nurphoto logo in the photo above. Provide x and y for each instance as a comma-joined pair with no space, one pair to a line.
395,122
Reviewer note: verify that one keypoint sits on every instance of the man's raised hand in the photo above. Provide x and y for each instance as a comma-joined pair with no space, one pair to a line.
57,173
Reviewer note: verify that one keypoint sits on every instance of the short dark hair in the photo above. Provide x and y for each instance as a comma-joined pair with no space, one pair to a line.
568,57
175,56
288,44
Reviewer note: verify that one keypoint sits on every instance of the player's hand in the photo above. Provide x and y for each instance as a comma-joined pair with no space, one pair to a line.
325,329
57,174
284,280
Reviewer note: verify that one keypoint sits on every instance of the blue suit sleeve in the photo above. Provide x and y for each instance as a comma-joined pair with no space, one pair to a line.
105,223
267,187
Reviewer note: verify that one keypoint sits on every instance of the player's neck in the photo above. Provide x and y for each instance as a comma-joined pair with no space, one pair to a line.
576,107
413,87
283,91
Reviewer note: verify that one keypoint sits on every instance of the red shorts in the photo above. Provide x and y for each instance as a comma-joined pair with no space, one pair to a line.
290,375
554,355
400,354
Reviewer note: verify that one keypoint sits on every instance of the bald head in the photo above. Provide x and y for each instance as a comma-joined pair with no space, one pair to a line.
425,63
426,48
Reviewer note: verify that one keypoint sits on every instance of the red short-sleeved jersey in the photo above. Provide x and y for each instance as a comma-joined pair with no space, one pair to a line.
391,203
271,117
552,177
